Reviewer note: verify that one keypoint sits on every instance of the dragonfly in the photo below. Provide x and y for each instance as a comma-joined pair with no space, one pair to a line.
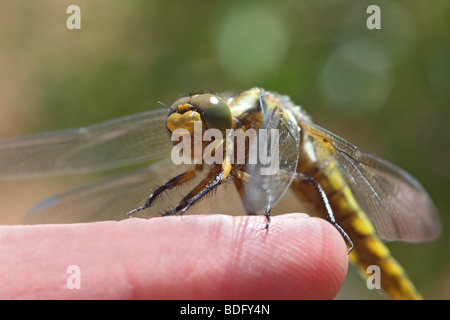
364,196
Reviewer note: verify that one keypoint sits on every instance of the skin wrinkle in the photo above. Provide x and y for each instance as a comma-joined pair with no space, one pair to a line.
313,271
289,256
246,232
185,271
131,277
234,252
282,259
326,252
232,249
237,252
202,269
226,249
309,268
190,271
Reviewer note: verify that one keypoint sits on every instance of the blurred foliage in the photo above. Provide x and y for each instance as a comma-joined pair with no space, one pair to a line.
385,90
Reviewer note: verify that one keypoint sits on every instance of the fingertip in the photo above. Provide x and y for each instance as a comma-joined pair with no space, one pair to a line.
311,256
298,257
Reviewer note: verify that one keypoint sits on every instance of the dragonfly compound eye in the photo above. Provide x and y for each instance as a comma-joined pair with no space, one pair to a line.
214,111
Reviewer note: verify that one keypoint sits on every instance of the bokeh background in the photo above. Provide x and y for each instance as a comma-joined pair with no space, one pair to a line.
387,90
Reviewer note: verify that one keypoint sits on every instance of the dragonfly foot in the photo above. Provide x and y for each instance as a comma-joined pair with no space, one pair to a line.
346,237
130,213
267,215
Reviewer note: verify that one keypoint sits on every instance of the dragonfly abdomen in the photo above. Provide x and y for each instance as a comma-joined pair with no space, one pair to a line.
372,258
370,255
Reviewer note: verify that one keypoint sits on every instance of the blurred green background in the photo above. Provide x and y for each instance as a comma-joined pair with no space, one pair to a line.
387,90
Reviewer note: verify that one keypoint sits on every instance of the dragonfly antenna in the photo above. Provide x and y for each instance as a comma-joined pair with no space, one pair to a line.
161,103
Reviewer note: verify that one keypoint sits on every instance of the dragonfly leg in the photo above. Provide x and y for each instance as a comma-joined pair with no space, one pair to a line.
327,207
267,215
239,179
176,181
215,177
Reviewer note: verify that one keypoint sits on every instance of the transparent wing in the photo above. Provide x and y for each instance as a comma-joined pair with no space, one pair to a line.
268,183
112,198
394,201
123,141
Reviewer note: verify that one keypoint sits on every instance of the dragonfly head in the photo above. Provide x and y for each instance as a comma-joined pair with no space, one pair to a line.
210,109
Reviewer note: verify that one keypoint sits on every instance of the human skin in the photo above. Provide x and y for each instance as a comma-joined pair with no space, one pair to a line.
189,257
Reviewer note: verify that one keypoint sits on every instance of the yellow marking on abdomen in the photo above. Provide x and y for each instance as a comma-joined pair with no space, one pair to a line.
368,248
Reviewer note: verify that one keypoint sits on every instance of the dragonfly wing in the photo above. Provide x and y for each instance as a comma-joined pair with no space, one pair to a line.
123,141
108,199
269,183
394,201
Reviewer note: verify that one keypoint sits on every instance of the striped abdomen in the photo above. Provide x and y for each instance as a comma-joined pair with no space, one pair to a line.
368,249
